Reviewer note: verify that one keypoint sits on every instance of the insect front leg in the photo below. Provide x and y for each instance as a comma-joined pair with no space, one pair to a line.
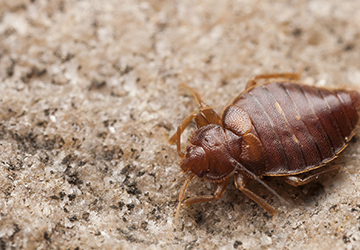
180,129
200,121
204,116
196,95
219,190
208,114
240,182
297,181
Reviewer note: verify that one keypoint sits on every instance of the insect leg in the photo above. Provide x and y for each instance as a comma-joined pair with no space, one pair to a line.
200,120
297,181
240,182
219,190
204,116
182,195
196,95
180,129
188,119
208,114
252,82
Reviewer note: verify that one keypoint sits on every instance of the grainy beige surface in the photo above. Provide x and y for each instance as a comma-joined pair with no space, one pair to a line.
88,89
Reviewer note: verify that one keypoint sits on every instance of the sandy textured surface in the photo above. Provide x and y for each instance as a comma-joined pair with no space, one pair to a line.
88,89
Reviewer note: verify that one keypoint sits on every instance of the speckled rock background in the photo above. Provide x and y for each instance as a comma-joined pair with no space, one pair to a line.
89,88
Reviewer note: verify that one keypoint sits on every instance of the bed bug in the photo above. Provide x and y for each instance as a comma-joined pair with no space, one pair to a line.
281,128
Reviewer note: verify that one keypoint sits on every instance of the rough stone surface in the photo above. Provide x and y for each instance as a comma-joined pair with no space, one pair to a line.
88,89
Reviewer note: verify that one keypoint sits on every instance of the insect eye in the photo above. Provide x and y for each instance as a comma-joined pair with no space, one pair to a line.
189,147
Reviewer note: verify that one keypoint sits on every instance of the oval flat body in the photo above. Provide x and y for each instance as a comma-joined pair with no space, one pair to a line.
300,127
276,129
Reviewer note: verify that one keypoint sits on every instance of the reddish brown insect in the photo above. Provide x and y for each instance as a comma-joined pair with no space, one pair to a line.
281,128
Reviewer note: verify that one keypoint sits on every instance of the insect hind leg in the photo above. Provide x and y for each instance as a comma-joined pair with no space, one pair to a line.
297,181
253,81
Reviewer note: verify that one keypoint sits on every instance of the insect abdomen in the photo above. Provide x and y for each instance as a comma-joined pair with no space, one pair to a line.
301,127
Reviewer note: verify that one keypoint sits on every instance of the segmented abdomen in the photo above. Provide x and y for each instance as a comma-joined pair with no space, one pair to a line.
301,127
